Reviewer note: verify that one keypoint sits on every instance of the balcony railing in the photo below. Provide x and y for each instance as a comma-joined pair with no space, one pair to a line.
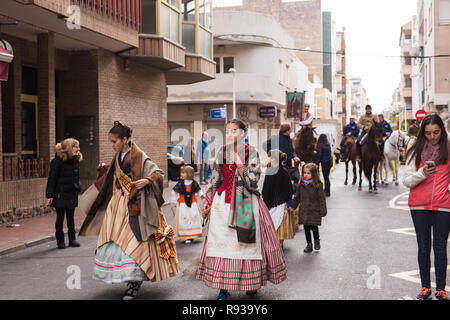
126,12
16,168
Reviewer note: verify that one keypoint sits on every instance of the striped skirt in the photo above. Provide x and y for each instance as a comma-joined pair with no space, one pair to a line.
110,263
288,226
239,274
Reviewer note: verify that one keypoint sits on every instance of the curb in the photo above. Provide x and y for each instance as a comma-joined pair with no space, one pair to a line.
30,243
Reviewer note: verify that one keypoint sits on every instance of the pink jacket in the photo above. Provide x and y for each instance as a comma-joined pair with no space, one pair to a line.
428,193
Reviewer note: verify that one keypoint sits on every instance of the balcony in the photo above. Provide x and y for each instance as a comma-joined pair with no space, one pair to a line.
197,68
406,47
407,92
406,70
109,24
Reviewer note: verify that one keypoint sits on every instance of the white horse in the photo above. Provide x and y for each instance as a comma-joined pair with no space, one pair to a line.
393,146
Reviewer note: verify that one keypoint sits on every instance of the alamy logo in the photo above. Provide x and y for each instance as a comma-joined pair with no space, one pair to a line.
374,281
74,20
74,280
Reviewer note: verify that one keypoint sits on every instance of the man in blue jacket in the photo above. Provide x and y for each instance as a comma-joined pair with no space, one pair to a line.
387,131
202,157
285,145
350,130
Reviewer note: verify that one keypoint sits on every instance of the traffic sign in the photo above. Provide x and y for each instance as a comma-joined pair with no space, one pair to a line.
219,113
421,114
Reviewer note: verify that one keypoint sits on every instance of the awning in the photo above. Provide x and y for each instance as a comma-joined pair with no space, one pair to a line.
6,56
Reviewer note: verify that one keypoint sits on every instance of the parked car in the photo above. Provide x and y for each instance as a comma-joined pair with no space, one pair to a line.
174,161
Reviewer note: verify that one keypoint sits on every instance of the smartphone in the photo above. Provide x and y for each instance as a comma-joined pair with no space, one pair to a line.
430,164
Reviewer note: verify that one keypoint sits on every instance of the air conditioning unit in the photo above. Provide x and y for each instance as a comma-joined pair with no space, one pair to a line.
6,52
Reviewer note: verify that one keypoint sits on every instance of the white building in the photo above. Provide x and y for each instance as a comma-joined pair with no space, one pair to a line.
247,42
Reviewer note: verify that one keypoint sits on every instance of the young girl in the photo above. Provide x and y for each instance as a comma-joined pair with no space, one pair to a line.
63,187
187,222
311,196
277,191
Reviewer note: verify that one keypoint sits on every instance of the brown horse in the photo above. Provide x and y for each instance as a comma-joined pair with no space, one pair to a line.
304,145
349,154
371,156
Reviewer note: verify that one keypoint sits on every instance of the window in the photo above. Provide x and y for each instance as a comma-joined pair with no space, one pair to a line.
444,12
189,10
217,61
408,61
228,63
408,83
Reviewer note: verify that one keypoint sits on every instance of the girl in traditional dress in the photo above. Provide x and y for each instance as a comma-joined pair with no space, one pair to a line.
277,191
311,197
241,250
187,222
123,210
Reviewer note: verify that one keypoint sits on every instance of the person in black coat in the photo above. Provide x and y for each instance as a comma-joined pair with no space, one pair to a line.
63,187
324,158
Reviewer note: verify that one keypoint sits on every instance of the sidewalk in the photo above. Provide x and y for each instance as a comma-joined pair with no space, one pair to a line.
38,230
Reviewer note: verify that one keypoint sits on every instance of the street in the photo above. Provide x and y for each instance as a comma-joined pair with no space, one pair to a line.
368,252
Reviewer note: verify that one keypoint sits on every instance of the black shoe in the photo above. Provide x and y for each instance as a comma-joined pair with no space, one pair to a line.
441,295
327,194
131,292
223,294
317,244
73,243
424,294
61,245
309,248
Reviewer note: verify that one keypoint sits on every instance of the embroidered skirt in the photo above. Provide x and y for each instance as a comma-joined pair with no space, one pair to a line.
187,221
288,226
118,248
245,274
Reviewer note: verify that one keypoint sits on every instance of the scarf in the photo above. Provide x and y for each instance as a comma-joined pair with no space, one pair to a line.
180,188
306,182
430,153
277,188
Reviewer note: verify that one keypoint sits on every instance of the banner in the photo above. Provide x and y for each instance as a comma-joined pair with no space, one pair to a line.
294,103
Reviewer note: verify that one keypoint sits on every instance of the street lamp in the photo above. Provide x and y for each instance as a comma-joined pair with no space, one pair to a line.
233,71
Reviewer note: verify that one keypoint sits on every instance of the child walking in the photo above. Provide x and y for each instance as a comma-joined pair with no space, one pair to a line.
311,197
187,222
277,191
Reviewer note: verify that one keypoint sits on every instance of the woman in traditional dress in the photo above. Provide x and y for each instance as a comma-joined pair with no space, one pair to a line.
123,209
277,192
241,249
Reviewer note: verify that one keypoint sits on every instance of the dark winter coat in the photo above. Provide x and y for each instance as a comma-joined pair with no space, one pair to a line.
312,204
63,184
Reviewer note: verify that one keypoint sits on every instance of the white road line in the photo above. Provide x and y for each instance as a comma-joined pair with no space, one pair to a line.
393,202
404,231
411,277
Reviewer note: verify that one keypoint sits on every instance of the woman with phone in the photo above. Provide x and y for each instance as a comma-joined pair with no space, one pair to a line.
428,177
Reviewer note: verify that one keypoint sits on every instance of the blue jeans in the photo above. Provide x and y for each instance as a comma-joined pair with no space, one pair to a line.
438,221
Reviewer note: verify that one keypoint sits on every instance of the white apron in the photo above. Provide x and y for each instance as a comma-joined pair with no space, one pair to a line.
189,222
222,240
277,214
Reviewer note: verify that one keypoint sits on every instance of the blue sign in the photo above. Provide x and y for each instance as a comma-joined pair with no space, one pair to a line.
220,113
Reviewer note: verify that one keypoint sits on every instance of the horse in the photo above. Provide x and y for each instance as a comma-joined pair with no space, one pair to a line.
349,154
371,156
304,145
393,146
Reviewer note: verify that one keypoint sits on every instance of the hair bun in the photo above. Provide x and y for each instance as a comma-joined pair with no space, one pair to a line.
117,124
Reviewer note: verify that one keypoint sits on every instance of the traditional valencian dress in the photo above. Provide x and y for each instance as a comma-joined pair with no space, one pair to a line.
187,222
134,241
241,249
277,194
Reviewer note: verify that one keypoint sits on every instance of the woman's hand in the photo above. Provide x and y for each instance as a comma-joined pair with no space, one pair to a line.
49,201
429,170
206,208
141,183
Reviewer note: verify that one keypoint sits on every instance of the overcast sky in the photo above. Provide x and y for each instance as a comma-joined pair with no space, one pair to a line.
372,32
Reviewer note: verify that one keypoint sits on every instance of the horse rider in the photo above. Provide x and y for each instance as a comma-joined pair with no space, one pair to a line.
387,131
350,130
307,119
286,146
365,122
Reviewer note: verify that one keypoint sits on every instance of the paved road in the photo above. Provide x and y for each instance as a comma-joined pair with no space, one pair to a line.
368,252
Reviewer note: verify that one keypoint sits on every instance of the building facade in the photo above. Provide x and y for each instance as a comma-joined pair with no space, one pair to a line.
246,42
340,78
80,65
405,85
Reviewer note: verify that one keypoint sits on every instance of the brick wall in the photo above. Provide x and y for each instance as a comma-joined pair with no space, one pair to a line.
301,19
22,194
135,97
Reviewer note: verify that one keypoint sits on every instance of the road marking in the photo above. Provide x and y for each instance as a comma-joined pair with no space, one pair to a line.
398,203
408,231
404,231
410,276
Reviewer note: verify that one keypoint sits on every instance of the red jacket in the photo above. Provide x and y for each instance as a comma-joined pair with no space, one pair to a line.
429,193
